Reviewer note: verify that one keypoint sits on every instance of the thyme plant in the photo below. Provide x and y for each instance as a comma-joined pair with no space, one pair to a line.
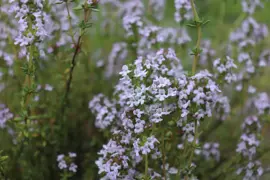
134,89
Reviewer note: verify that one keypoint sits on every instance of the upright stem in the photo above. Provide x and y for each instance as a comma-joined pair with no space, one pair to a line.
28,76
198,24
196,56
194,65
146,168
195,14
70,24
193,143
199,34
163,156
68,83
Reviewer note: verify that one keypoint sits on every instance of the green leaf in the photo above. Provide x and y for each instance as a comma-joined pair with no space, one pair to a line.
60,2
3,159
78,8
169,133
95,10
25,133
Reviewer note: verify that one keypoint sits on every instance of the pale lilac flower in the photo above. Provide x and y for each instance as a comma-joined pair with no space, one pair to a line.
73,167
5,115
182,6
157,8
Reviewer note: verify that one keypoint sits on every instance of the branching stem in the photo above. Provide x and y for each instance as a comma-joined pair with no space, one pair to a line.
87,13
69,80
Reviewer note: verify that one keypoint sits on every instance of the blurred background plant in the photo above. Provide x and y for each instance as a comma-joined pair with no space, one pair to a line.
56,56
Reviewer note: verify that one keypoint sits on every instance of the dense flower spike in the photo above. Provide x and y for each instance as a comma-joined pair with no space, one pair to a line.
250,139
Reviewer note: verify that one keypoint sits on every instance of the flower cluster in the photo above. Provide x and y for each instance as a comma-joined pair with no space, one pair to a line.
262,103
198,91
157,8
66,162
141,36
117,160
183,10
253,170
28,32
264,59
210,151
153,78
148,80
246,38
131,24
251,138
150,90
105,112
224,68
249,6
45,87
154,36
249,142
116,58
5,115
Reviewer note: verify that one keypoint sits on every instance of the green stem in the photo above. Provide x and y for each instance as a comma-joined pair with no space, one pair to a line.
163,156
70,24
196,56
193,147
196,17
65,101
193,144
146,167
199,34
194,65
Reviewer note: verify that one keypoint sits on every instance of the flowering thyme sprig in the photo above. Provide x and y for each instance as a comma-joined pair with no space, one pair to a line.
31,32
67,165
197,22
